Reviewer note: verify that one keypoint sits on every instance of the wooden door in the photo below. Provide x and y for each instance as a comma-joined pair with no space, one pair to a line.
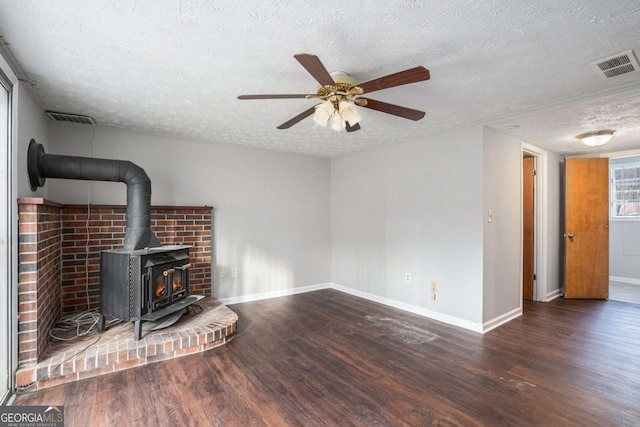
528,226
586,236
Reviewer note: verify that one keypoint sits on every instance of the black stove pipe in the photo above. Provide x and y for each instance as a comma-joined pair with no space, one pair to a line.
138,234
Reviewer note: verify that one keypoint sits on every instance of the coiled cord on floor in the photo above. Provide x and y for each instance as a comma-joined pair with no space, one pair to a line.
74,325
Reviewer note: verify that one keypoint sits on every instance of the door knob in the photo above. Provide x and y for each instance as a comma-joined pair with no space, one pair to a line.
569,235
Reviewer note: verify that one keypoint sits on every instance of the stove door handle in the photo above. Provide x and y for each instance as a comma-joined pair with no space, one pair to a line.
168,272
185,267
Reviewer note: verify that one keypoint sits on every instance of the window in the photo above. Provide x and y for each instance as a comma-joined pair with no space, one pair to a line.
5,252
625,191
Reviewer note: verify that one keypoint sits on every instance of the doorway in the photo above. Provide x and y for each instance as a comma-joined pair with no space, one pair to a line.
537,240
528,225
624,228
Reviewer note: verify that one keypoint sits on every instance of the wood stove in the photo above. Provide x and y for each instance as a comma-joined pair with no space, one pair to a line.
144,285
143,281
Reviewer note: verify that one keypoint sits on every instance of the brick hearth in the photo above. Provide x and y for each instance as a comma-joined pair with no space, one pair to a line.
115,350
59,262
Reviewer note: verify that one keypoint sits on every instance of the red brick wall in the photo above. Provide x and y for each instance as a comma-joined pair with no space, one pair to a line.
60,258
83,240
188,226
39,235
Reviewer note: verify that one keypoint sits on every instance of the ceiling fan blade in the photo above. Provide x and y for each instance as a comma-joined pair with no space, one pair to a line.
396,110
313,65
296,119
352,128
297,95
411,75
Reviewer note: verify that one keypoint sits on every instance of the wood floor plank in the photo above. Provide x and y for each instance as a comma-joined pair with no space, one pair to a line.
327,358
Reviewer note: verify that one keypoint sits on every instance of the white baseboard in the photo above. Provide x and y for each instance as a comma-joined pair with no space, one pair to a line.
629,280
445,318
554,294
274,294
501,320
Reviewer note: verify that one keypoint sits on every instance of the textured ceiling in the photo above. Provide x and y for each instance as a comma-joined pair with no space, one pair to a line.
176,67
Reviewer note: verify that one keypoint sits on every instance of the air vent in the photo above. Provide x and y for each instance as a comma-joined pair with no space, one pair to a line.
73,118
622,63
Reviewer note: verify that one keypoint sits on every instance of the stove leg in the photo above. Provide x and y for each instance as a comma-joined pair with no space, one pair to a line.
102,322
137,330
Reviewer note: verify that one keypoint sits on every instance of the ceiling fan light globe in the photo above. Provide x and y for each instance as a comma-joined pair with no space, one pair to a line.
326,106
349,113
320,122
337,123
323,114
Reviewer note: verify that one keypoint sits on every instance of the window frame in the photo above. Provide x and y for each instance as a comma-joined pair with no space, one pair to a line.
613,211
7,324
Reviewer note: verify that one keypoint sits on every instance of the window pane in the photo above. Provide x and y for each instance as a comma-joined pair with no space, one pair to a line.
625,191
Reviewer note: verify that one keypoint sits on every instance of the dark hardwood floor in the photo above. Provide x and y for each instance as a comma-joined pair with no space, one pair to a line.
327,358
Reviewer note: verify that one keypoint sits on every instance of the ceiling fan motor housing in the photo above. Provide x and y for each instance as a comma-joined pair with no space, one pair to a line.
344,89
342,77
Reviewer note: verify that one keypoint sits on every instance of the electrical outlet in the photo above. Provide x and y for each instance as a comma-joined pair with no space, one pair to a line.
433,296
222,273
234,272
407,277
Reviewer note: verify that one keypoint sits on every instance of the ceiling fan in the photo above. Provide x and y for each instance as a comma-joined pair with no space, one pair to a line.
340,95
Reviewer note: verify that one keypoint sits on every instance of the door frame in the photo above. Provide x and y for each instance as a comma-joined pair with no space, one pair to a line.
540,219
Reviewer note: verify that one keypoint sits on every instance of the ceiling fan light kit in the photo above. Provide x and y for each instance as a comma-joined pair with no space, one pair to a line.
336,114
597,138
339,94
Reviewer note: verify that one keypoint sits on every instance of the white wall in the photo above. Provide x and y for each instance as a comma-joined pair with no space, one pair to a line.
555,224
414,207
502,261
624,242
271,209
624,250
31,123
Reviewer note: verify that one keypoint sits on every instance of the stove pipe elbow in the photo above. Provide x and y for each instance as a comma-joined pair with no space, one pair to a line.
138,234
